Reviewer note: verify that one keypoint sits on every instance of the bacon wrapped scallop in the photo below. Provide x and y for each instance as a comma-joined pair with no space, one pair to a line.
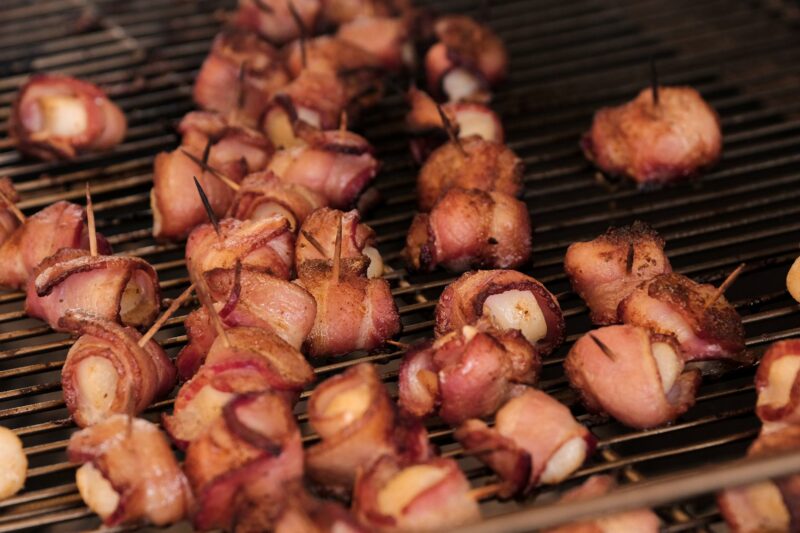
107,372
129,475
466,62
776,383
469,228
122,289
245,360
385,38
357,424
60,225
607,269
239,76
274,20
705,324
466,374
430,495
655,141
632,374
506,300
59,117
241,464
535,441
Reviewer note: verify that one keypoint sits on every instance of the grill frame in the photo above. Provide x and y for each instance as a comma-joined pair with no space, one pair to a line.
567,60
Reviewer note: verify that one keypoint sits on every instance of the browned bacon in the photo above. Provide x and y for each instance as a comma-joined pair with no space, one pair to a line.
466,374
256,299
263,194
106,372
357,424
343,11
467,60
316,242
385,38
468,228
673,304
60,225
532,429
655,142
273,19
353,312
776,384
240,465
467,118
639,521
129,474
59,117
265,245
337,164
246,360
430,495
506,299
300,512
769,505
484,165
632,374
122,289
8,220
605,270
239,76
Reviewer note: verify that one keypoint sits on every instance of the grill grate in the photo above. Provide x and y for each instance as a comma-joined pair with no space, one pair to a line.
567,59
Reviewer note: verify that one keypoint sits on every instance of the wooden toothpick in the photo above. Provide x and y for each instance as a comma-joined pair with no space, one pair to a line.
207,205
314,242
337,253
13,207
629,260
90,222
398,344
485,492
208,168
450,128
174,306
725,285
208,302
603,348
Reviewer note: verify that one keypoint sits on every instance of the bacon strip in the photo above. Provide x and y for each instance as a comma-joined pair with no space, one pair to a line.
239,467
117,288
673,304
263,194
777,384
353,312
247,360
106,372
129,474
239,76
468,59
60,225
468,118
340,12
356,422
770,505
273,20
59,117
235,152
534,425
470,229
640,521
467,374
302,513
605,270
655,143
358,242
257,300
635,376
338,165
8,220
265,245
487,166
507,299
425,496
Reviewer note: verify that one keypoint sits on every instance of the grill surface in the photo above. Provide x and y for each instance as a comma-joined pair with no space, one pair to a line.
568,58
